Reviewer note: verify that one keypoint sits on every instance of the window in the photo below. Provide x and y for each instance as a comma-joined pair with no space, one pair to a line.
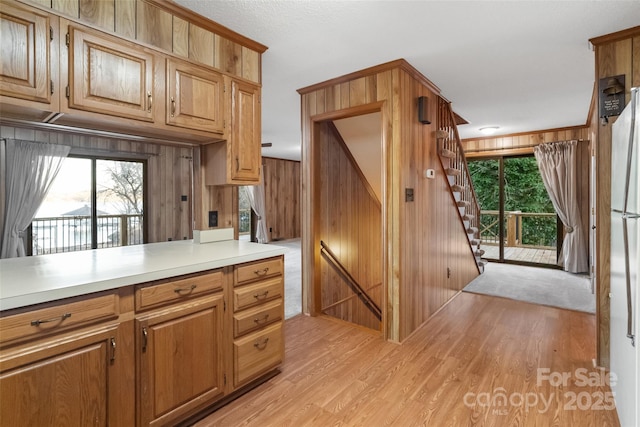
93,203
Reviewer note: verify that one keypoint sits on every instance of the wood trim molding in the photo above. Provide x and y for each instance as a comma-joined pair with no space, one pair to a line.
197,19
374,107
534,132
613,37
398,63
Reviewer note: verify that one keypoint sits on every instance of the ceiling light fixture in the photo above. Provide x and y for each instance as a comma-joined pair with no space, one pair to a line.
489,130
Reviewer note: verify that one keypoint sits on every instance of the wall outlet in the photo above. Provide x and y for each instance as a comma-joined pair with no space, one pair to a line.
408,194
213,218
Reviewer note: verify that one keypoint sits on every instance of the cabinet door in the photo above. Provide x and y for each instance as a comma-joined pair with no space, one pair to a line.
110,76
245,132
62,382
195,97
180,360
24,63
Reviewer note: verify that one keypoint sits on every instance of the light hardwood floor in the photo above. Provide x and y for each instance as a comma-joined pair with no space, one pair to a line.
453,371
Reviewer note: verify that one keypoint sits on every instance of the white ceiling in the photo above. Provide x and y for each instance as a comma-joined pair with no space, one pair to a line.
520,65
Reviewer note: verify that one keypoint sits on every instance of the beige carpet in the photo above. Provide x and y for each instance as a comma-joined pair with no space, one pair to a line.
292,277
544,286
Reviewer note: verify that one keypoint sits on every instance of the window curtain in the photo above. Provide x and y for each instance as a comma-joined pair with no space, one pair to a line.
31,168
557,165
256,199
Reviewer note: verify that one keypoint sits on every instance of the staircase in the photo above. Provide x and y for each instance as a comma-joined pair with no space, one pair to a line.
454,165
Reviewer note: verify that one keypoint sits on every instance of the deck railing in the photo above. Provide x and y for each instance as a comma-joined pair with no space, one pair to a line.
522,229
73,233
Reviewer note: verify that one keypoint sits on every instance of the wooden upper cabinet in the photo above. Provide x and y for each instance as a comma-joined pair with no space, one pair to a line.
195,97
25,39
236,161
245,132
109,75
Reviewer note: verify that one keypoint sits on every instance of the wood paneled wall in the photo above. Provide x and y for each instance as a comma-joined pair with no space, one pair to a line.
168,175
170,27
420,238
282,197
616,54
523,143
350,223
436,258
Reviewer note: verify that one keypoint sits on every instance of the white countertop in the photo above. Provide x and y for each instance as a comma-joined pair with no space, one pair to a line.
33,280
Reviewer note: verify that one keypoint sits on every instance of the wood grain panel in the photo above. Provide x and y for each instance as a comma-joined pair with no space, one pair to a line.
180,37
282,198
66,7
612,58
228,56
125,18
251,65
46,3
201,45
98,13
154,26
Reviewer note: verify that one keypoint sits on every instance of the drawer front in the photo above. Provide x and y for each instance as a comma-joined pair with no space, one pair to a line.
249,272
40,322
257,317
258,293
257,353
176,290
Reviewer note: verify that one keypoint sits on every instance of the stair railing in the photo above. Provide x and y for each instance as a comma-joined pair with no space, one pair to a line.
353,283
448,139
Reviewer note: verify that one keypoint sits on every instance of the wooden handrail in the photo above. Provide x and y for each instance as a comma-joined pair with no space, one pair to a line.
449,146
359,290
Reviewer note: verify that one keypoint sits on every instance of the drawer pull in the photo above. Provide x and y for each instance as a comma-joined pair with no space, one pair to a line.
54,319
145,339
261,296
262,319
188,290
262,272
261,345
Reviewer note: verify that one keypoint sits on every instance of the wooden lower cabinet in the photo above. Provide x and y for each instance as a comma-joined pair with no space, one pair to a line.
75,380
152,354
180,359
258,310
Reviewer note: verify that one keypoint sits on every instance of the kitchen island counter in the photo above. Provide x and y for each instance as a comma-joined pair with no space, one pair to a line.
38,279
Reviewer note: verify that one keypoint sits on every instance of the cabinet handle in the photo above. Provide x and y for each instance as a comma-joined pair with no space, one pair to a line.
150,98
145,339
261,345
237,164
189,289
53,319
173,107
113,349
263,319
262,272
261,296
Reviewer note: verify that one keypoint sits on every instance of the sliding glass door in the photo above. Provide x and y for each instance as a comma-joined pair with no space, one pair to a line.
517,223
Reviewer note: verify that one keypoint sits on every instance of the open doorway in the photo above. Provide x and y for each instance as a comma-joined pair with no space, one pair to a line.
348,226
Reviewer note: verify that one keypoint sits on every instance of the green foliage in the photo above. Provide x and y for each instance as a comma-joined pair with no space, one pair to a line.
523,191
